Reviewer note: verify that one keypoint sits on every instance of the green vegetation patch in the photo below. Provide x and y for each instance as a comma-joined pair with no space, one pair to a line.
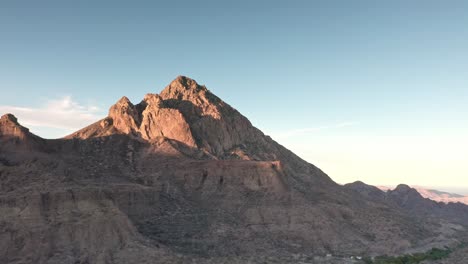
433,254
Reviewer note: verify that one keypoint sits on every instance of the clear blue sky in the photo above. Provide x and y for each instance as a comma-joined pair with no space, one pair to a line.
338,82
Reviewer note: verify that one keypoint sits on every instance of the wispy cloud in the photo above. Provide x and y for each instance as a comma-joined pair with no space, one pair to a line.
307,130
63,113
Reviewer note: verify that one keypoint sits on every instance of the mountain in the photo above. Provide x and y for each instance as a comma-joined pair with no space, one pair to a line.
440,196
183,177
435,195
14,135
413,202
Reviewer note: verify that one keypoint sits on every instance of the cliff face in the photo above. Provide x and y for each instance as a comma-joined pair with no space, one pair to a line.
184,111
181,176
9,126
11,130
193,117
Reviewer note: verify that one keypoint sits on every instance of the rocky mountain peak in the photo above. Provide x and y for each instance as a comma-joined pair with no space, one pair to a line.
358,183
9,126
188,92
124,101
403,191
403,188
153,100
369,191
125,116
122,106
13,134
183,88
150,119
9,118
190,114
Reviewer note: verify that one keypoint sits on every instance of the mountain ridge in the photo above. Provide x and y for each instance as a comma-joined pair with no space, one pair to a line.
183,177
190,114
411,200
436,195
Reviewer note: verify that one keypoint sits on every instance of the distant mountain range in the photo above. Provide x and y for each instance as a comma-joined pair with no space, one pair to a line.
436,195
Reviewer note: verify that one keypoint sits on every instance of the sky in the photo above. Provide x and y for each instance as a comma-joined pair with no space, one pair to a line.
375,91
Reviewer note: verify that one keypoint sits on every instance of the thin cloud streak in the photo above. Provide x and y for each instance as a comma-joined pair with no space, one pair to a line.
63,113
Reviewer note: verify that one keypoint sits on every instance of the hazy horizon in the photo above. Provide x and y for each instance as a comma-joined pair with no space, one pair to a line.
365,90
452,190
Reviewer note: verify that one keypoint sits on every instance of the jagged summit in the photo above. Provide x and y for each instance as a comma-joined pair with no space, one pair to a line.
194,119
188,113
124,100
404,193
404,188
358,183
14,135
9,126
368,191
9,117
184,88
153,100
183,84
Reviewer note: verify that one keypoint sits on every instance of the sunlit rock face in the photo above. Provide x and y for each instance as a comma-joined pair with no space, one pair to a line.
9,126
15,136
188,113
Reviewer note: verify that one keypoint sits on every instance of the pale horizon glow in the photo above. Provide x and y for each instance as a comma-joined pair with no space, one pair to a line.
429,161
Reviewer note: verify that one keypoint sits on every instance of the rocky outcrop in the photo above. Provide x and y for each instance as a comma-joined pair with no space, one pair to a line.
190,114
218,127
160,121
369,191
15,136
148,120
72,225
9,126
125,116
